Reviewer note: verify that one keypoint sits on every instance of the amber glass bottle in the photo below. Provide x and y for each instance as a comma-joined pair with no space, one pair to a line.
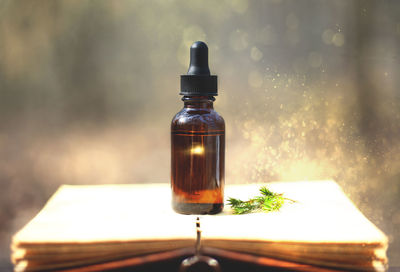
198,142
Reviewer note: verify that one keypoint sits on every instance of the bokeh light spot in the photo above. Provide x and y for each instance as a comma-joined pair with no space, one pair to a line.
256,54
338,39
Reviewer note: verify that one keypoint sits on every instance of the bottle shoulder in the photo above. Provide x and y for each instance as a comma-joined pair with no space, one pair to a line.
198,119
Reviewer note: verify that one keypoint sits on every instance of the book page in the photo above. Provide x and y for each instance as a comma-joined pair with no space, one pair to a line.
108,213
322,214
323,224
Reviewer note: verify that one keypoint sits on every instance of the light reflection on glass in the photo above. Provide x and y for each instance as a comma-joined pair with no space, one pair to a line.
197,150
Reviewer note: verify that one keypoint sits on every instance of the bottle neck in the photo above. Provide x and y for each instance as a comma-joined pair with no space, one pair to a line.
198,102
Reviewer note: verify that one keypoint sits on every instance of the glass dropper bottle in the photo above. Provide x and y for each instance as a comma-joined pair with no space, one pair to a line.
198,141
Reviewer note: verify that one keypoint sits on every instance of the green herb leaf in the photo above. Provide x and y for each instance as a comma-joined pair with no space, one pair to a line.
267,202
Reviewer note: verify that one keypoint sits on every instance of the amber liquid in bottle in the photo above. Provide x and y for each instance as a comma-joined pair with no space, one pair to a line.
197,157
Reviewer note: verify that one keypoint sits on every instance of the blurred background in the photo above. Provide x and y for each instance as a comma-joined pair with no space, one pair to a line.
308,90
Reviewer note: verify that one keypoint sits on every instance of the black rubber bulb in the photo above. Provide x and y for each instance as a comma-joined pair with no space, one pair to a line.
199,59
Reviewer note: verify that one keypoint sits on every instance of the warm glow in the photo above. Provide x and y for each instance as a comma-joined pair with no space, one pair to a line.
198,150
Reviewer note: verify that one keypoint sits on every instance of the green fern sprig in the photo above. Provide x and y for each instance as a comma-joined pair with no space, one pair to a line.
268,201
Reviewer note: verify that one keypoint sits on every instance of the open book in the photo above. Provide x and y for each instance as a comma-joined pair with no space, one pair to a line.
88,225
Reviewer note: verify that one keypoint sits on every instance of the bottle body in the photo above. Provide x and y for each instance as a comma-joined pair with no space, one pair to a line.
197,157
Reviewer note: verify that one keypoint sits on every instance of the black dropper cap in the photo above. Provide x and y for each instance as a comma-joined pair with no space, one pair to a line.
198,80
